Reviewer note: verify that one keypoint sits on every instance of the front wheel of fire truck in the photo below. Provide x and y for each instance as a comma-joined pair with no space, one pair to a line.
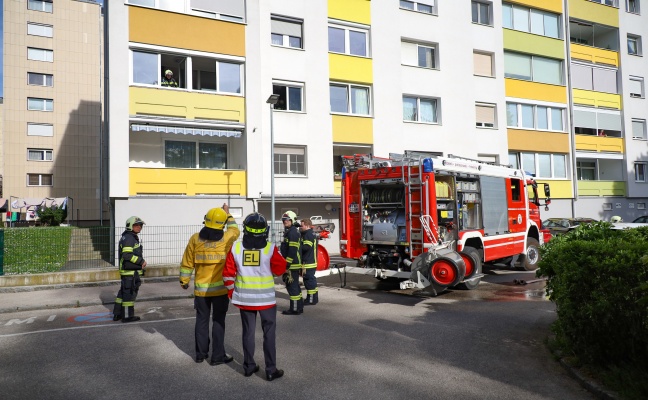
531,255
471,258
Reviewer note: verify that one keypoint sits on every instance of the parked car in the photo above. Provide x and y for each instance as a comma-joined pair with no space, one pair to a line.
560,226
641,220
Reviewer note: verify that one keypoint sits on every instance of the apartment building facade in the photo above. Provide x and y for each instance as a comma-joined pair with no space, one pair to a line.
52,113
534,83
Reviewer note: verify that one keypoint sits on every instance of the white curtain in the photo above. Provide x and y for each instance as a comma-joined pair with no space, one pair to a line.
428,111
360,101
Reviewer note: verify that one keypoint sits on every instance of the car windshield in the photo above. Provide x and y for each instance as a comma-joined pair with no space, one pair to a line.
641,220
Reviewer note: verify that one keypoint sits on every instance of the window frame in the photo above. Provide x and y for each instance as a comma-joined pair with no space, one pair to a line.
43,153
528,11
349,87
615,3
535,116
519,158
492,63
484,125
437,113
44,78
287,85
34,26
196,161
40,180
637,7
489,4
34,124
285,37
288,151
644,167
347,41
531,58
415,7
643,124
44,51
45,102
425,45
43,3
641,95
580,167
638,45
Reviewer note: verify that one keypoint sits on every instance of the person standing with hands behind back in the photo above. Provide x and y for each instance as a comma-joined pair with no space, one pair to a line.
249,277
309,261
131,263
291,250
206,253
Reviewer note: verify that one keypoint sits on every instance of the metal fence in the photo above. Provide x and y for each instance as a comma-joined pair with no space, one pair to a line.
53,249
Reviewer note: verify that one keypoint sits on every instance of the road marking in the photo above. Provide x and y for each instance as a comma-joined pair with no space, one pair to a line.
51,318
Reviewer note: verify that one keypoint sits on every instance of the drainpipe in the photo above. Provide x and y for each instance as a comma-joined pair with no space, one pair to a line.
570,109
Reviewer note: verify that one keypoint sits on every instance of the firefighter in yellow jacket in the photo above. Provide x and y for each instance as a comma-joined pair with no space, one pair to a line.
206,253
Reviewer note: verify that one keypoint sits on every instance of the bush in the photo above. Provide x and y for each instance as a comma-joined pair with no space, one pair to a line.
52,216
598,278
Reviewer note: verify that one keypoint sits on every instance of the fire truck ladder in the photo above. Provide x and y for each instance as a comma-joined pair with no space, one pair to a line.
414,198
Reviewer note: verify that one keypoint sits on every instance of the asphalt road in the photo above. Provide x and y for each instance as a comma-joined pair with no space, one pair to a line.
366,340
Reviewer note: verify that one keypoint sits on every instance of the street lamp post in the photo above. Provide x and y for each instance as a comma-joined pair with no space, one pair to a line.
272,100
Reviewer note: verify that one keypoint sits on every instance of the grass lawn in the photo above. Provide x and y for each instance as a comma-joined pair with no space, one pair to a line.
35,250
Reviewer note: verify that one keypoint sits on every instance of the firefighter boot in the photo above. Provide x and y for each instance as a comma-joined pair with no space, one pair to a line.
300,305
294,308
311,299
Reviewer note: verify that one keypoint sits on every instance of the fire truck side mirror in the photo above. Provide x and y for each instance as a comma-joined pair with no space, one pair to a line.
547,190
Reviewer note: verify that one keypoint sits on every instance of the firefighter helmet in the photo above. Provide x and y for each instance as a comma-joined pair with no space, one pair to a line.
289,215
168,72
255,225
215,218
616,219
132,221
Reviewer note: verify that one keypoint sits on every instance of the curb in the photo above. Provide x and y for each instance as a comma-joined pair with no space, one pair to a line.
593,387
18,289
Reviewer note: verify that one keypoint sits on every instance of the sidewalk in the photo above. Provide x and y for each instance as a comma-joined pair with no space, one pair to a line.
29,298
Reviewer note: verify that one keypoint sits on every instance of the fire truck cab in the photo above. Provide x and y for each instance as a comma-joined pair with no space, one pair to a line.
433,221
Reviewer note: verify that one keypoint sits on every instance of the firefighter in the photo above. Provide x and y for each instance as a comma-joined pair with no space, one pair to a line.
131,263
309,260
206,253
167,80
249,277
290,249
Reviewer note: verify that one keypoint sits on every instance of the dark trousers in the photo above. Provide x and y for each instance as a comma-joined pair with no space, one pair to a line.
217,307
125,300
269,325
294,291
310,282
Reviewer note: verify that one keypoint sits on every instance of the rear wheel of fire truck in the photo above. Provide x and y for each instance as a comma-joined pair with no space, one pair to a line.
531,255
471,258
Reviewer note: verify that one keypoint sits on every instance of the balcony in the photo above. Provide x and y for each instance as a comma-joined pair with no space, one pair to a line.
601,188
599,144
594,55
186,182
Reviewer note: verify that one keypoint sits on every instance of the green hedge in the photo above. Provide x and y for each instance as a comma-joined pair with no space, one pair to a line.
35,250
598,278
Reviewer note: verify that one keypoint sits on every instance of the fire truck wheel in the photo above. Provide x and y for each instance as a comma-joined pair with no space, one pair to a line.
471,258
531,256
445,272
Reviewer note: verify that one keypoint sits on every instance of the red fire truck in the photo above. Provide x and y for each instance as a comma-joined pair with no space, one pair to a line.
433,221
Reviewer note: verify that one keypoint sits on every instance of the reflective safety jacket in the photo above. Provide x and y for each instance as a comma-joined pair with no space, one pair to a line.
249,274
290,248
309,249
130,254
169,82
207,257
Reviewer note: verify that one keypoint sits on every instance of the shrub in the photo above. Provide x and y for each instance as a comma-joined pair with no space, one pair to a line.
52,216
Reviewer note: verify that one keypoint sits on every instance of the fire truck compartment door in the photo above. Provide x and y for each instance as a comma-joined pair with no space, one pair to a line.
385,232
494,205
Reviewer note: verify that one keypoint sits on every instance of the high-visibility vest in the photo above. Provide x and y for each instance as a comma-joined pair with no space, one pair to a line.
254,284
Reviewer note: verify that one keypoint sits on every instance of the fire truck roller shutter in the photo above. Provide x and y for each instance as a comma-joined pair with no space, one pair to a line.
444,268
472,259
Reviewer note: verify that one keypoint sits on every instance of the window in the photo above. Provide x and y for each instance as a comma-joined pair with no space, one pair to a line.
347,40
290,160
597,122
640,172
596,35
481,12
40,30
634,45
532,68
207,74
586,170
349,99
419,54
40,79
290,96
632,6
542,165
589,77
40,54
636,88
419,109
486,115
483,64
286,32
529,116
40,5
639,129
530,20
424,7
36,104
39,154
513,160
182,154
613,3
40,129
39,180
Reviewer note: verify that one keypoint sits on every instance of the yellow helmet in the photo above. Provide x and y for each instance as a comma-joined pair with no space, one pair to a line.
168,72
289,215
215,218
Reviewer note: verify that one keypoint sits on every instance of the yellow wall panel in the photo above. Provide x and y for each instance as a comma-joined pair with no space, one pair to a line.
559,189
348,129
597,143
204,34
190,105
350,10
594,55
549,5
594,12
536,91
350,68
534,44
548,142
601,188
188,182
597,99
